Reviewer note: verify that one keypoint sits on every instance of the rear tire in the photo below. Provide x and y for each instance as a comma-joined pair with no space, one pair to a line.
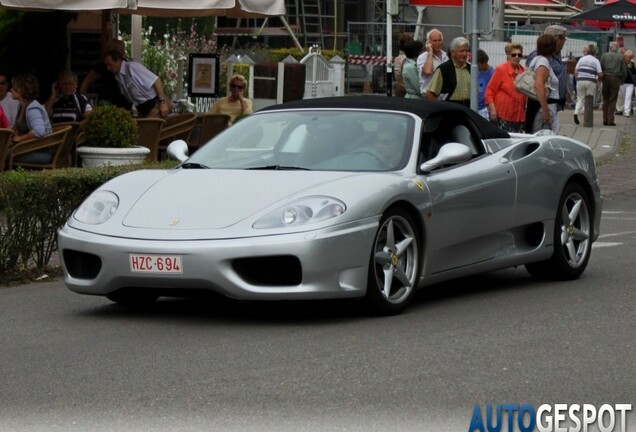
572,238
394,264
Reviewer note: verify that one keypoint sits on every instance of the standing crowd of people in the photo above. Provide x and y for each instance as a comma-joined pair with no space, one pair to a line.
427,71
423,70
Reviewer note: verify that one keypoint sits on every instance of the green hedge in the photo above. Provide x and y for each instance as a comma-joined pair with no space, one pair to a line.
35,204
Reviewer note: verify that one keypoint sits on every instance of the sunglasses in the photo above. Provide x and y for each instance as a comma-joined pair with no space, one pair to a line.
516,55
236,86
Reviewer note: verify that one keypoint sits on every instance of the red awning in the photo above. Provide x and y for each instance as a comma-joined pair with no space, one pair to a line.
531,2
608,25
516,9
452,3
459,3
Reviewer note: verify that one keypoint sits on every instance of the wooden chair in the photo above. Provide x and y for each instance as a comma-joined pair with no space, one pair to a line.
207,126
177,127
56,142
148,133
72,137
5,143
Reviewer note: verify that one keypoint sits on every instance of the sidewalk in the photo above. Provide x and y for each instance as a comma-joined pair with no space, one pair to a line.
617,177
605,141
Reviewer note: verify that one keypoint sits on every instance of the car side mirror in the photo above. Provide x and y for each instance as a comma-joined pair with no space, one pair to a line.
451,153
178,150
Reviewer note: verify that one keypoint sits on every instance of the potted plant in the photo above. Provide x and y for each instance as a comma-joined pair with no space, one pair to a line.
109,138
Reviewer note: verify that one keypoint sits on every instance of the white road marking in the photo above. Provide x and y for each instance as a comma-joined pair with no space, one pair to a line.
622,233
604,244
618,215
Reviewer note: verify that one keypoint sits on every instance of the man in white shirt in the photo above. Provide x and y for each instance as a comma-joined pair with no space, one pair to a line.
431,58
9,105
138,84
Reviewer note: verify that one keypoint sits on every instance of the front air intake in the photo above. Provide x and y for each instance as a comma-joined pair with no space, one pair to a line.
81,265
283,270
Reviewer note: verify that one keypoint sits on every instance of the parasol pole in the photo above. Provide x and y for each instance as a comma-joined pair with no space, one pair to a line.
616,24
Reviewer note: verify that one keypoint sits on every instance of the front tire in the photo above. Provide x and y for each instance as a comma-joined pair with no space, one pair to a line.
394,264
572,238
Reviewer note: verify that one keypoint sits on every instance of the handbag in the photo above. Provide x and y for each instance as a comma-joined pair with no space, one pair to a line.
399,90
524,83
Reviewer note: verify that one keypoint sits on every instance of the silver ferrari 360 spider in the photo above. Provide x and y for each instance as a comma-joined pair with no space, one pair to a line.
345,197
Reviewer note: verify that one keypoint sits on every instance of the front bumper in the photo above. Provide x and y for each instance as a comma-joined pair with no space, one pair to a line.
330,263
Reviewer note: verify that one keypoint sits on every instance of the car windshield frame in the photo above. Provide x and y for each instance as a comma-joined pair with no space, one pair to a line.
313,139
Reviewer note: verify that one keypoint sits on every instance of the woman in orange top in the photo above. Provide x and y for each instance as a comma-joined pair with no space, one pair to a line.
506,106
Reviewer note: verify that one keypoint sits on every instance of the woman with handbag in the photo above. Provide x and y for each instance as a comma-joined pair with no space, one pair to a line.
542,113
506,106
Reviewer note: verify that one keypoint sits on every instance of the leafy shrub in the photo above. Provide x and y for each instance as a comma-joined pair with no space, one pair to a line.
29,219
110,126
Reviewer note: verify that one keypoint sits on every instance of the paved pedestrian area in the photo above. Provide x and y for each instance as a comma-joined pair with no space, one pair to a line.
614,148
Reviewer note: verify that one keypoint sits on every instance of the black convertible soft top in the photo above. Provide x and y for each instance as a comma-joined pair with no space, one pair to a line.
421,108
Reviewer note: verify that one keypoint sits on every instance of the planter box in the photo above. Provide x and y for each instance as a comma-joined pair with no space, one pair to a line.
105,156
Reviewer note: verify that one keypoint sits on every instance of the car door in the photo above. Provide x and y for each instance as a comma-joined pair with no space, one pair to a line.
540,179
471,212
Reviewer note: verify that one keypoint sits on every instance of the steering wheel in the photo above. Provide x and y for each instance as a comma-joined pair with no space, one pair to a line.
382,163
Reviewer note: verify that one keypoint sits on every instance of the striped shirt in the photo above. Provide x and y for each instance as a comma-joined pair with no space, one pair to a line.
587,68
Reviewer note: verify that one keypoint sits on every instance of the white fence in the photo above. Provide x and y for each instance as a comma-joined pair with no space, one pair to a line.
323,78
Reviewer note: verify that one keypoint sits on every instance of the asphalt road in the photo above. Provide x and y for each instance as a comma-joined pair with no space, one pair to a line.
76,363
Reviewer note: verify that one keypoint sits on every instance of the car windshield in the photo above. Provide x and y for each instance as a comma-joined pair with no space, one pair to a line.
322,140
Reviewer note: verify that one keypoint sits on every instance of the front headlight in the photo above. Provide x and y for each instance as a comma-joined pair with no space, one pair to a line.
97,208
304,211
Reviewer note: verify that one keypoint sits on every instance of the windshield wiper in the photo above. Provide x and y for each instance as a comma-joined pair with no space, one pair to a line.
278,168
188,165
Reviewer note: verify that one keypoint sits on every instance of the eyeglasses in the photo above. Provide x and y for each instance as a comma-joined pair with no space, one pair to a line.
236,86
516,55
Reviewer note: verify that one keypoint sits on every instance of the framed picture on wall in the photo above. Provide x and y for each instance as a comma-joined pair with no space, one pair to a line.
203,75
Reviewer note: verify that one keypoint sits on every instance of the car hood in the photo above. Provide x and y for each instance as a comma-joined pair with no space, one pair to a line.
217,199
202,204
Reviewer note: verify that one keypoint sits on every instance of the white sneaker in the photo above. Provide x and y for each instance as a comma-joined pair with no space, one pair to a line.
626,114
